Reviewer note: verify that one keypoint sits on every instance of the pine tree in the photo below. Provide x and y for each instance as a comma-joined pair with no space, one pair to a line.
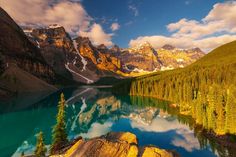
211,98
231,111
40,150
59,135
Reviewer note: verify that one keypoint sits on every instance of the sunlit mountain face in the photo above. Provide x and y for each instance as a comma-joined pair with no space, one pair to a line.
93,112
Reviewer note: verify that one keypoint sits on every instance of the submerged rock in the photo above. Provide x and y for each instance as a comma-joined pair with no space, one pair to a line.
120,144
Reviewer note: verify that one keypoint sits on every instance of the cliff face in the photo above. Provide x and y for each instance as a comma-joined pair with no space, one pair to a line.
16,79
56,47
145,58
75,59
98,56
16,48
141,58
78,59
120,144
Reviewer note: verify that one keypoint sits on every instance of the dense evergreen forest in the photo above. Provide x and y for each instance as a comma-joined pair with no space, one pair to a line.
205,90
223,146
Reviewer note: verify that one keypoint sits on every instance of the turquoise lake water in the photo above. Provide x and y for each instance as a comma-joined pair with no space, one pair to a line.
91,112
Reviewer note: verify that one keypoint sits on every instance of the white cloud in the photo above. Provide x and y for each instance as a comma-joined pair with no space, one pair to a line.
97,35
115,26
220,19
225,13
69,14
134,9
206,44
206,34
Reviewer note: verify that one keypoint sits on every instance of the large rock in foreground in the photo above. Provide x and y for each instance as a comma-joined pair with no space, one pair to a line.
121,144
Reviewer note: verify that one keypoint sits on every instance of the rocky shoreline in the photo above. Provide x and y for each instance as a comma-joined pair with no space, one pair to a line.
113,144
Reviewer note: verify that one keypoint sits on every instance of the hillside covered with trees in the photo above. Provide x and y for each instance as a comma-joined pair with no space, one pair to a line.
205,90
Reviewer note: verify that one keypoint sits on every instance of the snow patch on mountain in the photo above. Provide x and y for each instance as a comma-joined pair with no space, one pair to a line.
164,68
38,45
139,70
72,71
82,58
54,26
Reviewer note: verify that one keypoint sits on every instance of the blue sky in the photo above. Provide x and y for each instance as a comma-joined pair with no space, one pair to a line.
153,15
206,24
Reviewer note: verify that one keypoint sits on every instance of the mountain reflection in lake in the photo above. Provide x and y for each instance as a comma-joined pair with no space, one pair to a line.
93,112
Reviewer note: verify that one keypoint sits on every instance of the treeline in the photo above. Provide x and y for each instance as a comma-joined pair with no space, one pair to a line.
205,90
208,94
204,138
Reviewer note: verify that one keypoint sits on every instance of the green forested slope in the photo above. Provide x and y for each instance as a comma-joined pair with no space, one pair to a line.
206,90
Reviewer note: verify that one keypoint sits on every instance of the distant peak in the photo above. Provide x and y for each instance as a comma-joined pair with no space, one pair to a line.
168,47
115,48
102,46
54,26
146,44
83,40
197,49
143,45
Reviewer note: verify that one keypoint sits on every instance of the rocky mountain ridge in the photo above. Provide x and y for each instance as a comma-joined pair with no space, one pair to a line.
80,60
51,54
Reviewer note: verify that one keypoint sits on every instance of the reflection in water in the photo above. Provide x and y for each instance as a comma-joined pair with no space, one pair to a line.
186,141
97,129
92,112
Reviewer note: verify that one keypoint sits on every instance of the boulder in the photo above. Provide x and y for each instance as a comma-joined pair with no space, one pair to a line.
114,144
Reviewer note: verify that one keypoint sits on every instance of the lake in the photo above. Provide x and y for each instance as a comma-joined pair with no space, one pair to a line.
92,112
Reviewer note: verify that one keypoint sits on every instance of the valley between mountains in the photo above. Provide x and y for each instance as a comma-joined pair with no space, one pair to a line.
55,58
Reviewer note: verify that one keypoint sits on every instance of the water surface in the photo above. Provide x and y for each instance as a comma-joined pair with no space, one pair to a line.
92,112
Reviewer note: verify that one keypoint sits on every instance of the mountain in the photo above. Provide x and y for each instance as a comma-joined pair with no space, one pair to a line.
16,79
172,58
78,59
56,47
145,58
51,55
99,61
168,47
141,58
205,88
17,54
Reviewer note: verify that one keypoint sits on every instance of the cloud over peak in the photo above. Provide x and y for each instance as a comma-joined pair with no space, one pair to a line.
206,33
97,35
67,13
